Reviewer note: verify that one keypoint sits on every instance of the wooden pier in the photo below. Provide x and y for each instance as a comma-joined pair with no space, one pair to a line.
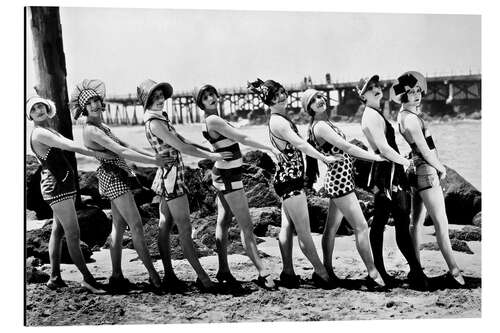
445,93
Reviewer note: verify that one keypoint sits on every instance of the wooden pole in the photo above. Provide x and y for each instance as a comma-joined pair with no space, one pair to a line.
50,71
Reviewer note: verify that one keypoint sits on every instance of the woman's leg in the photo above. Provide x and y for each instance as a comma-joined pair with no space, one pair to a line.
418,217
126,206
333,220
179,208
66,216
165,224
296,208
285,240
55,247
115,247
380,218
349,206
238,203
224,217
434,201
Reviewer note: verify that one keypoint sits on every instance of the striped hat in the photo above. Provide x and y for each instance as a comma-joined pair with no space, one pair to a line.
364,82
405,82
198,94
83,92
51,107
146,88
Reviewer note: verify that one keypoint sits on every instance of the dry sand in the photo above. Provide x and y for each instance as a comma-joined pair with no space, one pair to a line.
73,306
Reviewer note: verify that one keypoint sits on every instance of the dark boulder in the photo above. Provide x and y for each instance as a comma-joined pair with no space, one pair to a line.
263,218
456,245
468,233
206,164
94,226
34,199
258,187
318,210
33,262
34,275
477,220
261,160
201,193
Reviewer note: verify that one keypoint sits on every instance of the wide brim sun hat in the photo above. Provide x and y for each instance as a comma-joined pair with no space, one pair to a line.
405,82
51,112
146,88
307,97
83,92
363,83
198,94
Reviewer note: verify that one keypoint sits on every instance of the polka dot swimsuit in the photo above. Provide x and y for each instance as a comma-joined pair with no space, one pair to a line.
340,175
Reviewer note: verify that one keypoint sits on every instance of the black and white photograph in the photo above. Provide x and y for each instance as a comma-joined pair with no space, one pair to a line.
211,165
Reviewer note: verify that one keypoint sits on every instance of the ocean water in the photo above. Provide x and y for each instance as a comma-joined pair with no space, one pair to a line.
458,143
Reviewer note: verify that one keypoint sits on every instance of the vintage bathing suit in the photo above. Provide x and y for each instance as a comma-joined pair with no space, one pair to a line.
169,180
57,177
340,175
226,174
421,175
289,177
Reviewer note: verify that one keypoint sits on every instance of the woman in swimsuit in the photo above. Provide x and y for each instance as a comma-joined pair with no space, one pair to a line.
169,181
289,183
226,178
58,190
427,171
116,180
390,186
339,184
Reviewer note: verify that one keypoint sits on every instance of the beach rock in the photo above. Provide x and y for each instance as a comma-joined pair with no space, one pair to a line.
272,231
477,220
318,210
206,164
456,245
468,233
34,199
258,187
95,226
34,275
33,262
145,175
149,210
201,193
30,215
261,160
37,245
462,199
263,218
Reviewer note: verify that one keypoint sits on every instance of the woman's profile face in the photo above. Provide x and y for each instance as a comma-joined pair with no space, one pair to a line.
209,100
414,96
157,100
93,105
318,103
39,112
373,93
280,98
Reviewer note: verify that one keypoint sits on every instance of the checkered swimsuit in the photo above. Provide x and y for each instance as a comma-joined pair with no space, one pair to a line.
340,175
168,181
114,175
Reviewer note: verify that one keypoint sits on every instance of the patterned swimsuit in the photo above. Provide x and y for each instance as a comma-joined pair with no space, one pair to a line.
114,175
340,175
57,178
169,181
226,174
289,177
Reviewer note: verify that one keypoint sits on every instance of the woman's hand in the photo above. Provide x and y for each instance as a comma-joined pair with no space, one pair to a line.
275,152
380,158
163,161
442,173
333,159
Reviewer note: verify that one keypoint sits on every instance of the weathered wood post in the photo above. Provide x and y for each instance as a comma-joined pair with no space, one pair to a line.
50,71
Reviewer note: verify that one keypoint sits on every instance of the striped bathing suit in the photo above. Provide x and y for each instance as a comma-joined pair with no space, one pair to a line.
421,175
340,175
57,178
289,177
115,177
169,180
226,174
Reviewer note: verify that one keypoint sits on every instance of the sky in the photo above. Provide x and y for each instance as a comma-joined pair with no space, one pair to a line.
189,48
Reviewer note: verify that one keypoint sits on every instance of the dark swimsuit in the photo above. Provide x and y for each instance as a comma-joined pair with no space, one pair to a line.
340,175
421,175
289,177
114,176
226,174
57,177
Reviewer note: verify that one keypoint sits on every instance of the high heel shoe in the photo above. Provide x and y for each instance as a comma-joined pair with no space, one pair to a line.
93,286
373,285
418,281
266,282
319,282
157,290
290,281
226,277
457,280
211,289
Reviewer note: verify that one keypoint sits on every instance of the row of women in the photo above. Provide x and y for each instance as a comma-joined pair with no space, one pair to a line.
392,178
